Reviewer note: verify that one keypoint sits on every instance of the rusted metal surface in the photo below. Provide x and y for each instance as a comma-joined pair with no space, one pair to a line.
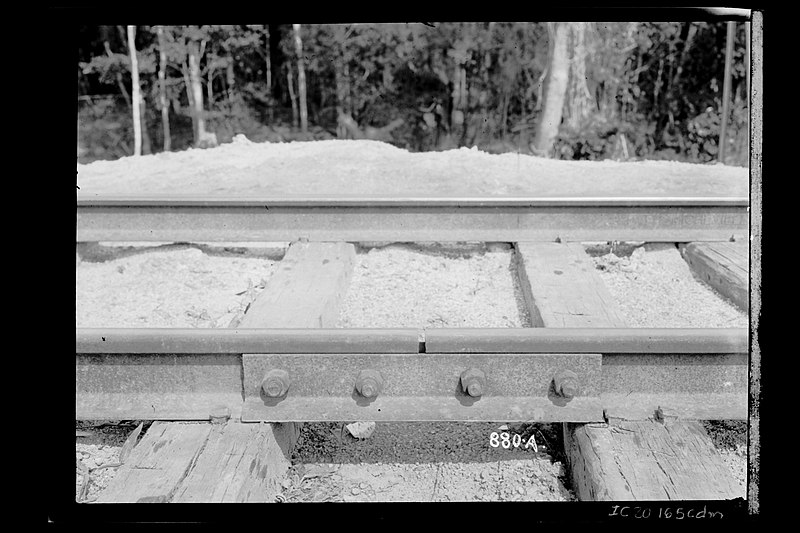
422,387
411,340
687,385
238,341
602,340
410,219
188,200
156,386
630,373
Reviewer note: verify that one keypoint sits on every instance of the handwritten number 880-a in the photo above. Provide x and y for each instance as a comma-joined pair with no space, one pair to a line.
506,441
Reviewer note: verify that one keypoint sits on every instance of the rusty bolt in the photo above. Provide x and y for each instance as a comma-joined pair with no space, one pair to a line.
472,382
275,383
369,383
566,383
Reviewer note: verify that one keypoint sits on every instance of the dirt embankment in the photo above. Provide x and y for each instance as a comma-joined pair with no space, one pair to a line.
372,168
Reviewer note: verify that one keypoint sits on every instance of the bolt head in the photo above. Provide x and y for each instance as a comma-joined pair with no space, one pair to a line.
369,383
273,388
569,388
475,389
275,383
369,388
566,384
472,381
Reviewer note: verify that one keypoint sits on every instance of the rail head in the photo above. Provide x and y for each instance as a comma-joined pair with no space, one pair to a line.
402,201
410,340
410,219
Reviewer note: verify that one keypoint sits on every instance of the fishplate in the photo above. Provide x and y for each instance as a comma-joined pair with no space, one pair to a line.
540,387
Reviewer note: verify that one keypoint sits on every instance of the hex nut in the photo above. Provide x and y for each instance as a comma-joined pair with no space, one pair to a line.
369,383
473,382
565,384
275,383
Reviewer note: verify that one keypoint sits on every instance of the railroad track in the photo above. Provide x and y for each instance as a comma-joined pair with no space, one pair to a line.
580,364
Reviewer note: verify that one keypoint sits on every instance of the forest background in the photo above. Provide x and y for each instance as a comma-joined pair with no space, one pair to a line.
589,90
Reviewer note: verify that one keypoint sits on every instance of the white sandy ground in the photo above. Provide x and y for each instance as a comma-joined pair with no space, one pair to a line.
425,462
182,288
413,286
655,288
363,167
397,285
92,456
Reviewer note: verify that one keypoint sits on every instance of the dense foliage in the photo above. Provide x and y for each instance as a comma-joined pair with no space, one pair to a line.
636,90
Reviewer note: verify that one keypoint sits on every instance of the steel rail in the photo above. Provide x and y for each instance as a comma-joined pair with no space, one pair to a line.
354,219
627,373
411,340
406,201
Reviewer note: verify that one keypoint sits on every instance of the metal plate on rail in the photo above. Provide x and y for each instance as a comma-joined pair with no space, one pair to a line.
422,387
694,386
160,386
188,219
181,374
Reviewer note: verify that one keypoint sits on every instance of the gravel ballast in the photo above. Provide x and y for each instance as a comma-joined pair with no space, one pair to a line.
179,288
426,462
413,286
97,450
655,288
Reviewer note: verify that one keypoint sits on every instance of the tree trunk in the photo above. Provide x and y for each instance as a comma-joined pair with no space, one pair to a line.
747,70
188,84
557,79
726,92
485,90
210,87
301,79
120,83
338,75
504,115
465,114
162,87
268,60
341,88
342,70
580,103
459,100
687,37
230,78
196,89
292,96
137,119
143,115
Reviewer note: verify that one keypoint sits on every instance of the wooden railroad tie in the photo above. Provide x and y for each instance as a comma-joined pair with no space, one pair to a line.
723,265
620,460
200,462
